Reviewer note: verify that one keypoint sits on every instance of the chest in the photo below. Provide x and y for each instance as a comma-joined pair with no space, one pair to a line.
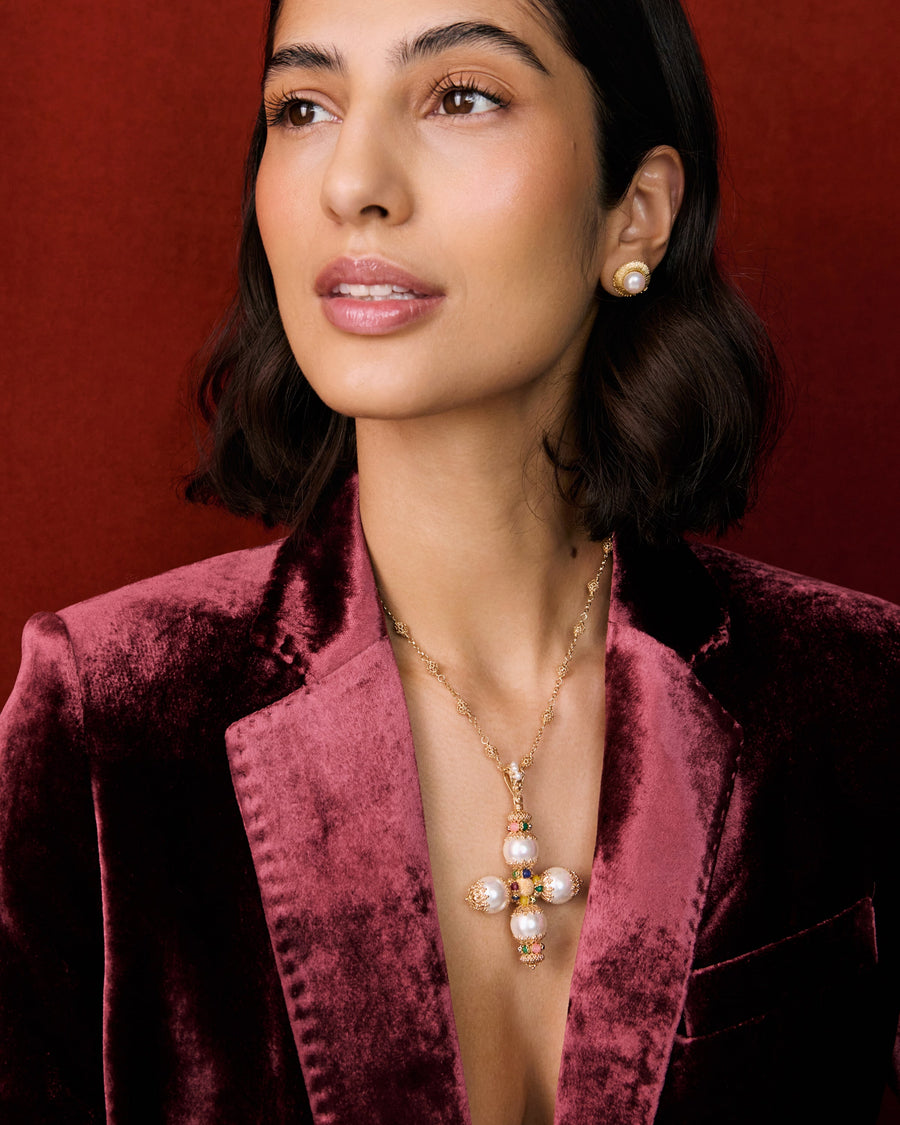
510,1018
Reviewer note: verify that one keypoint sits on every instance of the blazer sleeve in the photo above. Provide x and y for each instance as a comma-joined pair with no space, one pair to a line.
51,929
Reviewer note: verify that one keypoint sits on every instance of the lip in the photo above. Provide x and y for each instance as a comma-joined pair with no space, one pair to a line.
367,317
370,271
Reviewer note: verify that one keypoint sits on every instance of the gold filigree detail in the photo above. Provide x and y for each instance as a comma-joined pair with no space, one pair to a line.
477,896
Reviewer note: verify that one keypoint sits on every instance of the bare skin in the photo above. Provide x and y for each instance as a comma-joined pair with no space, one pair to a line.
510,1020
496,612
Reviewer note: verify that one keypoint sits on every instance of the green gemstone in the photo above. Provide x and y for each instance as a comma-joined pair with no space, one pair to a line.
517,874
525,825
538,889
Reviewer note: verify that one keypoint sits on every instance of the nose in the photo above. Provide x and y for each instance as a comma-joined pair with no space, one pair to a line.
368,176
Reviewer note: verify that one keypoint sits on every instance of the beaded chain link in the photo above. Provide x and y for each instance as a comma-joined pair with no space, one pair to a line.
524,889
463,708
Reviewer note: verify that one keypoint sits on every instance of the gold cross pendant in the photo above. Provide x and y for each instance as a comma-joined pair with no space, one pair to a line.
523,889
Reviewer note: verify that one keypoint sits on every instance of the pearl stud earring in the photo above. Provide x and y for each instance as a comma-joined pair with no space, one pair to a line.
631,279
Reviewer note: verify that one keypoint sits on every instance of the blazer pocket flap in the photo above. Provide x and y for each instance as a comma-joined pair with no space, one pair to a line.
746,987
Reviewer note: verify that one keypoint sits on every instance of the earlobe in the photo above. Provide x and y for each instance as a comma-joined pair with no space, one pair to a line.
638,230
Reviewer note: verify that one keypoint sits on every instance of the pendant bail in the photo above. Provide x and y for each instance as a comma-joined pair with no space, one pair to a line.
514,778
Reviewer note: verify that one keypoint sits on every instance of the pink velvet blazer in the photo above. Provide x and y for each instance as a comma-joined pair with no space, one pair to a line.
216,904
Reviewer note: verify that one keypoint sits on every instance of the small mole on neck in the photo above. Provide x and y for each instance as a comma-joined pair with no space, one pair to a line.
574,553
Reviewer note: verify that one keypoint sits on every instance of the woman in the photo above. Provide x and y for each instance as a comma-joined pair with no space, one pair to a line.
245,803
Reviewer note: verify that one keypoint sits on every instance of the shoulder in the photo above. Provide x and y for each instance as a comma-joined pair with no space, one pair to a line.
808,665
168,658
190,607
801,610
225,586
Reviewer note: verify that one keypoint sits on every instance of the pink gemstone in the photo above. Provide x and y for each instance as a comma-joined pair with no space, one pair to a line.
512,828
537,947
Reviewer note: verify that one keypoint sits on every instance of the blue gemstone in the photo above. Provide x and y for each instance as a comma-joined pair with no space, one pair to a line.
526,872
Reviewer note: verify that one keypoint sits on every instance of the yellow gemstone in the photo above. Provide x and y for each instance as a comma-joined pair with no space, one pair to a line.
524,900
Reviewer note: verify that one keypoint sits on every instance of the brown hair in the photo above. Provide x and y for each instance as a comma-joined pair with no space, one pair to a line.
679,394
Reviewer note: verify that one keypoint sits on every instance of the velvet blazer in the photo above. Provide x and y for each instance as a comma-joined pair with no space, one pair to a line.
216,903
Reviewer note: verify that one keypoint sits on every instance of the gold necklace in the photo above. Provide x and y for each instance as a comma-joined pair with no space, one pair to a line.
522,888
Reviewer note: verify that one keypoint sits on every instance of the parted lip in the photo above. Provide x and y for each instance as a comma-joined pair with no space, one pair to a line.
370,271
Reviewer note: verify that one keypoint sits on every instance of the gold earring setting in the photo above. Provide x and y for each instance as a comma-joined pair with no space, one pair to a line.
631,279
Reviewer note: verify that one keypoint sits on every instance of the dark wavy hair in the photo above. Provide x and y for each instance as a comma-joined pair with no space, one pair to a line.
679,395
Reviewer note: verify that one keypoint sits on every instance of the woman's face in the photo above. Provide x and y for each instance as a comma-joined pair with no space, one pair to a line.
435,160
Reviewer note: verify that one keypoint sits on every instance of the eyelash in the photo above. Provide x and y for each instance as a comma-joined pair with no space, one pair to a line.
277,105
466,84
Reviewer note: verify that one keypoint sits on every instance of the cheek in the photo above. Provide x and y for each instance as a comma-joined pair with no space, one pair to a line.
281,205
562,206
269,205
287,212
527,212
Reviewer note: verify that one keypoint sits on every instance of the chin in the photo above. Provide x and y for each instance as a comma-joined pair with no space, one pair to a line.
372,391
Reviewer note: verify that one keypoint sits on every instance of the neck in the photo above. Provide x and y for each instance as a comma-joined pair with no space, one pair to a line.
473,545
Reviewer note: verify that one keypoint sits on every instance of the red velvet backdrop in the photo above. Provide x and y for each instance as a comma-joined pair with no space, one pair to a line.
126,125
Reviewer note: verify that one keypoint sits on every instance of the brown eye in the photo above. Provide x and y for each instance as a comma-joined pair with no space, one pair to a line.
301,113
458,101
467,101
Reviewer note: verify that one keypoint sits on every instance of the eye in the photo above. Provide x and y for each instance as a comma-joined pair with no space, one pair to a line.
467,101
295,113
300,112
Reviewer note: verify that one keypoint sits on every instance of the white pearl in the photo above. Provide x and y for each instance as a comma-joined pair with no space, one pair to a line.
488,894
634,282
561,888
495,889
527,924
520,850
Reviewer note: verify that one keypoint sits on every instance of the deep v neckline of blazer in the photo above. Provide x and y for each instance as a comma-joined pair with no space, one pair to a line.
339,847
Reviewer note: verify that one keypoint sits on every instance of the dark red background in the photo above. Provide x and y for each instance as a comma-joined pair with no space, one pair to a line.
125,131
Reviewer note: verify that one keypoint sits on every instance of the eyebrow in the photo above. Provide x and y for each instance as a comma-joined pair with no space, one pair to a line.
303,56
434,41
439,39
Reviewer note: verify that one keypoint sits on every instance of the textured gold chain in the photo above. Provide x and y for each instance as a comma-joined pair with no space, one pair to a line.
462,707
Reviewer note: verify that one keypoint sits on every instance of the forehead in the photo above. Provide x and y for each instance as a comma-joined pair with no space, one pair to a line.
369,22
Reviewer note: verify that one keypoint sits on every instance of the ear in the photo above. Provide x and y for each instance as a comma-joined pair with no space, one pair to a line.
640,226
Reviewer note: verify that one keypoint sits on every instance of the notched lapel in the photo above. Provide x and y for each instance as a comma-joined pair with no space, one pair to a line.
670,761
327,783
328,789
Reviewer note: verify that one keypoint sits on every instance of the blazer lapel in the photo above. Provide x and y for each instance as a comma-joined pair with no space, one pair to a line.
327,784
670,761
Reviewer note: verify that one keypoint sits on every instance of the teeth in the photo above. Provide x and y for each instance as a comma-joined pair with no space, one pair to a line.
374,292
